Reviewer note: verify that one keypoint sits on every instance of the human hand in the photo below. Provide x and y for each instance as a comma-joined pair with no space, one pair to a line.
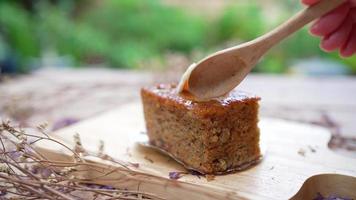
337,28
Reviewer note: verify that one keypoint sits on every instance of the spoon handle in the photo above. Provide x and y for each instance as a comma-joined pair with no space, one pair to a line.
292,25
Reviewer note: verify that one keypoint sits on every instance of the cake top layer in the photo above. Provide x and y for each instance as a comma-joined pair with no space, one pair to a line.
169,91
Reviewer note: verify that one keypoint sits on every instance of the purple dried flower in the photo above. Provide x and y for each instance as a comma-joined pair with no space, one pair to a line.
34,170
331,197
42,171
63,123
136,165
15,154
28,150
89,185
336,197
175,175
94,186
107,187
3,191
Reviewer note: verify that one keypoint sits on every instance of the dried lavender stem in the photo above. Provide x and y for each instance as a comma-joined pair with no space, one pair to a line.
18,180
58,193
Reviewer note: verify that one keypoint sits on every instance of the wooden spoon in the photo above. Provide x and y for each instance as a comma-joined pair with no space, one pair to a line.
222,71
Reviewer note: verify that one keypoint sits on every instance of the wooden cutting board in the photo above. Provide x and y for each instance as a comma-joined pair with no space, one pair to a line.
293,153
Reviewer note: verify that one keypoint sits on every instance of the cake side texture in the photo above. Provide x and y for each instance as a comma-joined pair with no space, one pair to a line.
210,137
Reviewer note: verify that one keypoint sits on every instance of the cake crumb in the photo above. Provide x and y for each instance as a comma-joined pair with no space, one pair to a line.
301,152
222,164
209,177
312,149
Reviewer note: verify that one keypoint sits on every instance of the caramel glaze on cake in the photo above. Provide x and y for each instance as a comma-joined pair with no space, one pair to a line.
212,137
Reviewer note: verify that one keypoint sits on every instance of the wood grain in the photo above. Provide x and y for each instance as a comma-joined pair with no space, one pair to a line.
294,153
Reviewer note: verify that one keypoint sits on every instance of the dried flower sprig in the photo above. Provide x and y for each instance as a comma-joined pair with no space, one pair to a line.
27,174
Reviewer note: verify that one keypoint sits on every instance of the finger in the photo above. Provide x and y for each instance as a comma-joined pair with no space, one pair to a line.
353,14
349,47
338,38
310,2
353,3
331,21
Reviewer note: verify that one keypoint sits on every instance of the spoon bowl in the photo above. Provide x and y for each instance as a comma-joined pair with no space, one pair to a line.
222,71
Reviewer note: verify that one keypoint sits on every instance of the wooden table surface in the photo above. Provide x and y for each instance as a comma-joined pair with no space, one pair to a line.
63,96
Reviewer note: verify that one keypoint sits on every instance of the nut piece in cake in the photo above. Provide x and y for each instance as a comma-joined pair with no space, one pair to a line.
213,137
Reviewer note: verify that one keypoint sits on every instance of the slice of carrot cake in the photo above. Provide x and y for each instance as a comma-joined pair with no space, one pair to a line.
212,137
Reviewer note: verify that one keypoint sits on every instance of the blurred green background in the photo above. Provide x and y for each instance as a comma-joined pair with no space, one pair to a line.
136,33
